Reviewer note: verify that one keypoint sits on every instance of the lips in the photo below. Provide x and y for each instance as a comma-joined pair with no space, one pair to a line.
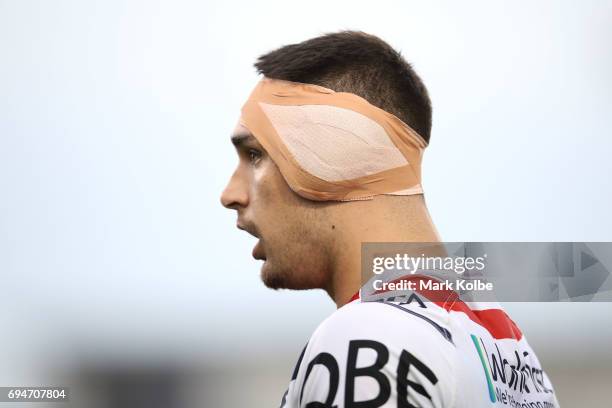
247,228
258,251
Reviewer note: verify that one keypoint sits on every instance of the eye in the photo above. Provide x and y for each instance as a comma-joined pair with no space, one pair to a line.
254,155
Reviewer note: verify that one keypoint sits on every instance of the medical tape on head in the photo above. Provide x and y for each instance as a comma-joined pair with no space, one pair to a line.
333,146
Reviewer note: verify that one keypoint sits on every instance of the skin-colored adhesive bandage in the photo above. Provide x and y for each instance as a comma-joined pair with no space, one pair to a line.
333,146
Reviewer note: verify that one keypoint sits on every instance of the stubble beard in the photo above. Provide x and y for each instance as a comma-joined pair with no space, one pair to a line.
303,268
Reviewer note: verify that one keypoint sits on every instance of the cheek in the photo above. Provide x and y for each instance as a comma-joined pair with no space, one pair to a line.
271,191
277,209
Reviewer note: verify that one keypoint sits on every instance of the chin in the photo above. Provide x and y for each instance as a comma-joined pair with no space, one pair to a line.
273,279
285,278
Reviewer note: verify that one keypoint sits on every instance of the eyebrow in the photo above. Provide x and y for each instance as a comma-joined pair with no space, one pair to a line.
240,139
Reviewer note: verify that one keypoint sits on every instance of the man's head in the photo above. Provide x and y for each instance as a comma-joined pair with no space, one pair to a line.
292,231
298,238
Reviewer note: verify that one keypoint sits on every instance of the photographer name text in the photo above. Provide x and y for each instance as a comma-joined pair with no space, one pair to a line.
422,285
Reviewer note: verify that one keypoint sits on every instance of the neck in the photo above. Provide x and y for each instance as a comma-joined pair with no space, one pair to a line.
389,219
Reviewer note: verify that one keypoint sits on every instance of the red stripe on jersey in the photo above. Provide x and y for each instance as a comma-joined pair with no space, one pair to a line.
495,321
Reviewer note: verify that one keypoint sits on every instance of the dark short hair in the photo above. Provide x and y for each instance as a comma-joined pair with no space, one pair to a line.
356,62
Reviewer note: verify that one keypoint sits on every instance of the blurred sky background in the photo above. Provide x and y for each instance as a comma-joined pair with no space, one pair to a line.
114,148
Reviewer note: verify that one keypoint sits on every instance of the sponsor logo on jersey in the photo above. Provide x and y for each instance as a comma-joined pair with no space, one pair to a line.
403,386
507,379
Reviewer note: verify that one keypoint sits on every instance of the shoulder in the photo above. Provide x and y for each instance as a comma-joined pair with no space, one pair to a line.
408,324
384,343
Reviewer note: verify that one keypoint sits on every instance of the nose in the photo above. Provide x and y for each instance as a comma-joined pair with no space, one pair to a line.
235,194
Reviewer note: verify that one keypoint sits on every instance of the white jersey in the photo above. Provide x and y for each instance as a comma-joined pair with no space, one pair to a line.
408,352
